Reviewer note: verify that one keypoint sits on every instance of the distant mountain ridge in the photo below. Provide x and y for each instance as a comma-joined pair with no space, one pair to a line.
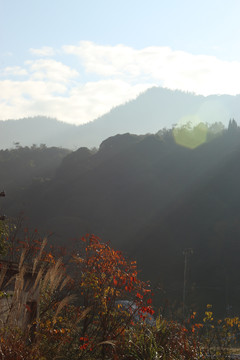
34,130
154,109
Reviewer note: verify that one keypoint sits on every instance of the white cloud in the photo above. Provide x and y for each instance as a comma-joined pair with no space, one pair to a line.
18,97
14,71
173,69
79,105
93,99
48,69
51,89
112,75
14,90
43,51
105,60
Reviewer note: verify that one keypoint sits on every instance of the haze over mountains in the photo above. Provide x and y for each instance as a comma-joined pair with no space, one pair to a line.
153,110
148,195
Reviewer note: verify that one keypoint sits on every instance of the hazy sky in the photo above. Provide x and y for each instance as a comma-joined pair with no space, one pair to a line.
75,59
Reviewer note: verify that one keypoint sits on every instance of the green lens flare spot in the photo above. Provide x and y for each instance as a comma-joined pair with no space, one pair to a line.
190,136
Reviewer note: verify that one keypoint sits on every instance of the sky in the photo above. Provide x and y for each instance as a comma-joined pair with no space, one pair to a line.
74,60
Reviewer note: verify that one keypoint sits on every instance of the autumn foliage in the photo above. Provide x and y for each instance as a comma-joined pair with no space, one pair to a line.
107,278
92,307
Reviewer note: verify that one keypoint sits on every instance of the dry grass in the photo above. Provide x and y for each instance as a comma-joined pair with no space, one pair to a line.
20,285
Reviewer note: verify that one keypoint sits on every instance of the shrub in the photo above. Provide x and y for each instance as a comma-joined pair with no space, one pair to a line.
95,307
78,316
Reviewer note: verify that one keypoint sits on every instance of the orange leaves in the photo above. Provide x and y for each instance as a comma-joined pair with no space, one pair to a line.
83,347
146,291
149,301
198,326
85,343
132,279
108,278
99,258
49,258
111,295
147,309
193,315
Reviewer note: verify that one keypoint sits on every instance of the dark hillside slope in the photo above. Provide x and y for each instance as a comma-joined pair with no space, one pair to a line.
207,220
151,198
122,185
19,167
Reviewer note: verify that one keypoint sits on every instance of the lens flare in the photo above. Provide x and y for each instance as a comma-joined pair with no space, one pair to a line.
190,133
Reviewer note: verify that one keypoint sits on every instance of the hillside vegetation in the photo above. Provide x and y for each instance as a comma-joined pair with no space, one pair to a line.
152,197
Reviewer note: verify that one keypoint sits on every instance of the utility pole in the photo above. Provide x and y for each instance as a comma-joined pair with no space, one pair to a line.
187,253
2,217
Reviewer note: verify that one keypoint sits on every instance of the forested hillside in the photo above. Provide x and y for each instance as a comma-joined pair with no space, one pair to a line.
150,197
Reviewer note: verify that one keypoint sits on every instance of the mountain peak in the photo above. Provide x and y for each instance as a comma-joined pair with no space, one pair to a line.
155,109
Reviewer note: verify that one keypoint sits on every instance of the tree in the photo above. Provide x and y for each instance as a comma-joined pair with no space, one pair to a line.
214,130
232,125
81,317
110,289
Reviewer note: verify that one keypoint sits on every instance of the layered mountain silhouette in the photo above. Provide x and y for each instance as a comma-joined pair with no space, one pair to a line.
152,198
155,109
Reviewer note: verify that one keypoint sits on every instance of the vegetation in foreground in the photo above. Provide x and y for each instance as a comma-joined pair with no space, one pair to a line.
95,307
